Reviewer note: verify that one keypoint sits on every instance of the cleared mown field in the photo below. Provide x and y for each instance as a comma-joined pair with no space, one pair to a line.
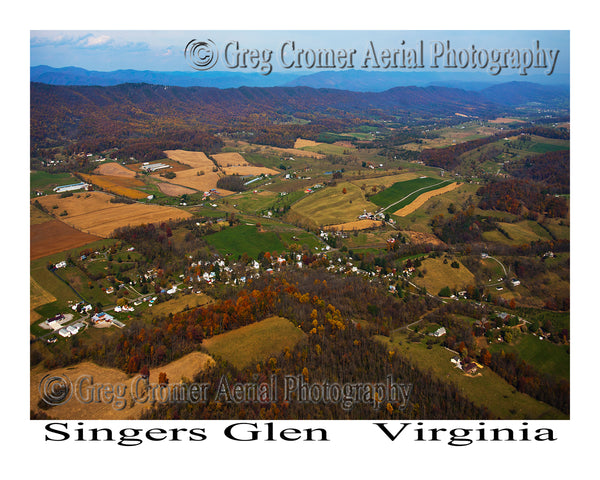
385,181
301,143
249,170
117,184
55,236
488,389
439,275
199,179
193,159
252,343
331,206
421,199
506,120
328,149
357,225
185,367
177,305
114,169
230,159
93,213
174,190
245,239
295,152
525,231
545,356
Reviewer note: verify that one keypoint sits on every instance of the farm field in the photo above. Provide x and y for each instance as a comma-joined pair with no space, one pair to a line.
329,149
293,152
36,216
420,238
385,181
545,356
506,120
451,135
192,159
230,159
117,184
249,170
174,190
401,194
55,236
301,143
440,275
521,232
178,304
114,169
37,297
249,239
197,179
45,181
93,212
185,367
488,389
356,225
421,199
245,345
330,206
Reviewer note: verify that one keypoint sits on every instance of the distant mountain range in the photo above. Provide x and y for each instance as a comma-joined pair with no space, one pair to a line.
350,80
61,113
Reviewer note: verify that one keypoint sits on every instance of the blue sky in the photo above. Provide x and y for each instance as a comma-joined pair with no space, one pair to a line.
164,50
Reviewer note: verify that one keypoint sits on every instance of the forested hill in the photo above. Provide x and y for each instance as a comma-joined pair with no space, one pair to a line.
63,113
270,100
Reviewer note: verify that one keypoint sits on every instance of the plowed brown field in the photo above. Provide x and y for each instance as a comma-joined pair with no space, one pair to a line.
55,236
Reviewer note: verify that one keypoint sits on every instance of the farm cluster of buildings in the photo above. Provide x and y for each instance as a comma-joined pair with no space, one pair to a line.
153,167
467,367
72,187
371,216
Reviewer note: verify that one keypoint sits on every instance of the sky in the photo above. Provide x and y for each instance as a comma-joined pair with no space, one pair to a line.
162,50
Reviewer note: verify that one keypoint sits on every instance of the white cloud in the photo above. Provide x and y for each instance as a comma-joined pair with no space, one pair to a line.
94,41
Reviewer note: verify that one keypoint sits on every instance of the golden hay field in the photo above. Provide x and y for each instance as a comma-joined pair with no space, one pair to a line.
357,225
421,199
174,190
193,159
438,275
249,170
114,169
193,178
251,343
93,213
186,367
506,120
386,181
119,185
301,143
201,176
230,159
